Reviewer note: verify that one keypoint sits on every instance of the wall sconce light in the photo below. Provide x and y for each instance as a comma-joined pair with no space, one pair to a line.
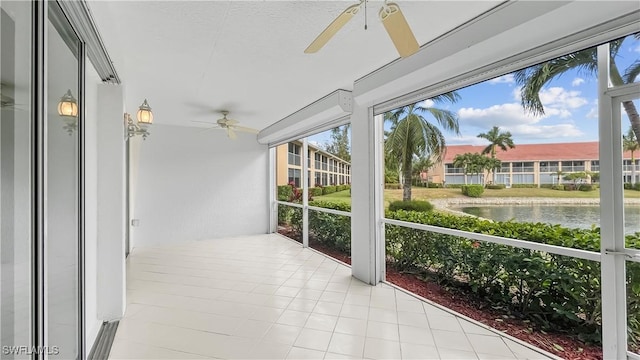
141,126
68,110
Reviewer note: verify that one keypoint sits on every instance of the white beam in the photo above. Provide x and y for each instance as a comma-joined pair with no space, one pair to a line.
334,106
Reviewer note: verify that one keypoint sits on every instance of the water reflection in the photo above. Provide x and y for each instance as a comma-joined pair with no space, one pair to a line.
570,216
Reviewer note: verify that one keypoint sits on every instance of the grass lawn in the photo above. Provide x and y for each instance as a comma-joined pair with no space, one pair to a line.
343,196
420,193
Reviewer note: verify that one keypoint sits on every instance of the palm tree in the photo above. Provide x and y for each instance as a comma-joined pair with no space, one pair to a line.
534,78
630,143
412,136
497,138
464,162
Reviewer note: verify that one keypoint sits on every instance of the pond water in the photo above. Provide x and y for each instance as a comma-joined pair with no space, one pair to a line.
570,216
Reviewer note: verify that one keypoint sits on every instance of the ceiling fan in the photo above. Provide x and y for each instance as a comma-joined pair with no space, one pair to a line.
229,125
392,19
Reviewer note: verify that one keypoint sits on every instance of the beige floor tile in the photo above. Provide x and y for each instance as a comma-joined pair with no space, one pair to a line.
297,353
267,297
347,345
381,349
417,351
313,339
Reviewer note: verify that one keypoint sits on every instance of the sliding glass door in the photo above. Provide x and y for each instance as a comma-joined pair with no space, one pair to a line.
15,179
62,188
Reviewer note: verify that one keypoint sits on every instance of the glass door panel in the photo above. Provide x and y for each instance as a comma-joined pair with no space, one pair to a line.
62,188
15,179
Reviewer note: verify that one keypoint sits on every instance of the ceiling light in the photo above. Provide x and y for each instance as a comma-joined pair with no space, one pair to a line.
68,110
144,118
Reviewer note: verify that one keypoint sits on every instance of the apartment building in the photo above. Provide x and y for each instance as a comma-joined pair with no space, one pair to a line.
531,164
324,168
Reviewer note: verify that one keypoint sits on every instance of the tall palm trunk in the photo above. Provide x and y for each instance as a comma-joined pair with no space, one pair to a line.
633,169
406,174
634,118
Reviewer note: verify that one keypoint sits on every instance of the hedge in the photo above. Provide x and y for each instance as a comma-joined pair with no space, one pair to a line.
413,205
329,189
330,229
635,186
315,191
433,185
285,192
586,187
472,190
555,292
392,186
524,186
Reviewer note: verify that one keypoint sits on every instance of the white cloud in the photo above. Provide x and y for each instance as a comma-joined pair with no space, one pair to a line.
558,97
426,103
504,79
498,115
577,81
593,113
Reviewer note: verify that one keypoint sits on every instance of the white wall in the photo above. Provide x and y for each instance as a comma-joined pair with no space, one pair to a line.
195,185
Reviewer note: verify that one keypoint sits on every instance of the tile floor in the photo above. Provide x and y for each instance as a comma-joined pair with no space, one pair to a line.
265,297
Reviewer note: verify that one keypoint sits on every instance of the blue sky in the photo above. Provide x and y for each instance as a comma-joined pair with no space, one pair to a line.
570,104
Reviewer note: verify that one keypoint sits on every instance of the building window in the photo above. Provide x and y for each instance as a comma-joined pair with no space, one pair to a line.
549,166
318,179
505,167
595,165
324,163
294,177
317,162
294,154
450,169
572,166
522,167
324,179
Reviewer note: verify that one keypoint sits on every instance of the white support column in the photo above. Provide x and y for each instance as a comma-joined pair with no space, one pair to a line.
273,206
365,195
614,321
305,192
111,203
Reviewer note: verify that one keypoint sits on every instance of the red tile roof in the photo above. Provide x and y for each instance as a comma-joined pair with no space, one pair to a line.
533,152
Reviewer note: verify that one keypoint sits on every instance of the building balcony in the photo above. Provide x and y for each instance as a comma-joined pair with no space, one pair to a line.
267,297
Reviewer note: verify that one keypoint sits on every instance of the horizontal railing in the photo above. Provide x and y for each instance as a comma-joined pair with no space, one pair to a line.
553,249
314,208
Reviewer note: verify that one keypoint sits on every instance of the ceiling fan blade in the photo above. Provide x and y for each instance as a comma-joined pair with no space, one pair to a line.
246,129
204,122
332,29
232,135
231,122
398,29
209,129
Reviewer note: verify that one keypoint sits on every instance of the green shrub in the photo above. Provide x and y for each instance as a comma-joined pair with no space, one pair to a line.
547,186
586,187
558,187
285,192
392,186
552,291
570,187
413,205
331,230
315,191
636,186
524,186
434,185
329,189
496,186
472,190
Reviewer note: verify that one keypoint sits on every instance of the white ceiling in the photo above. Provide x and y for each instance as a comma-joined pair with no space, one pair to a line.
190,58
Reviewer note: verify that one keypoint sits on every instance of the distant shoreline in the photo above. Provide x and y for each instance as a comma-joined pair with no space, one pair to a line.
446,204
